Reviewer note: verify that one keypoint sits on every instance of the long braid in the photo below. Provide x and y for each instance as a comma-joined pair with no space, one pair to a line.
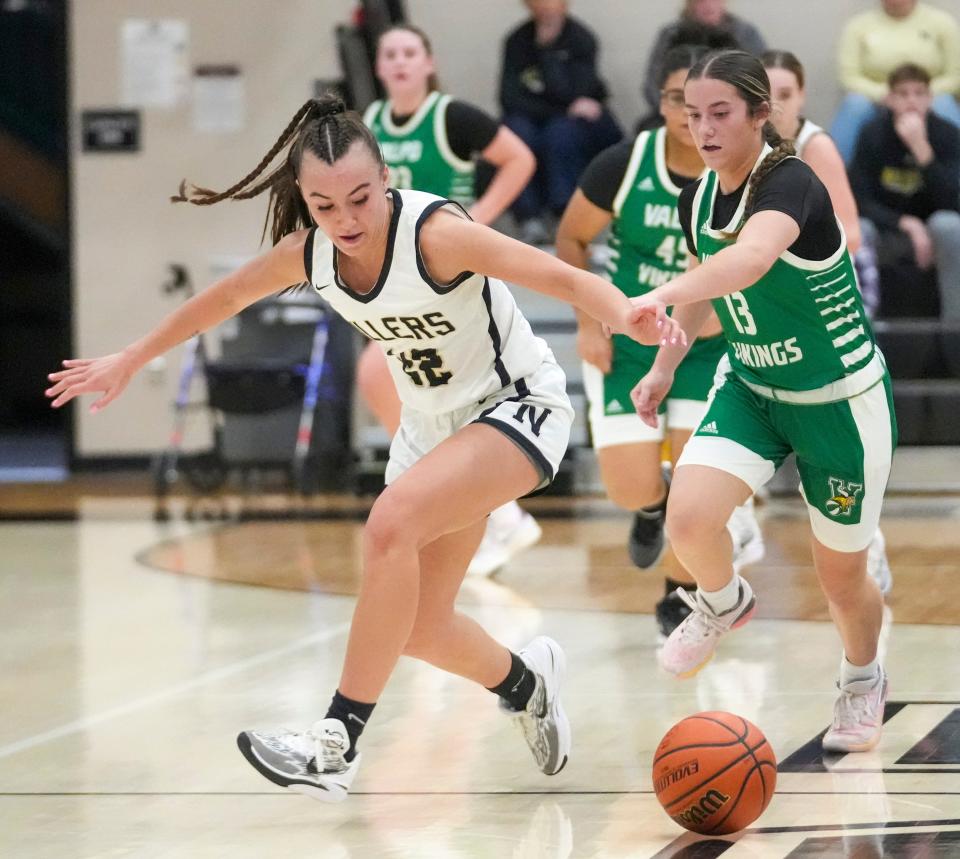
205,197
781,149
321,126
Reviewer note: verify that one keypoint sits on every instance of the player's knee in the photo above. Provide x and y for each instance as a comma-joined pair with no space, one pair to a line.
388,529
844,587
689,524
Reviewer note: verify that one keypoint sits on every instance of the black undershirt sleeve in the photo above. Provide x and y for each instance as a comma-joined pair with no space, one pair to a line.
685,212
469,129
604,175
794,189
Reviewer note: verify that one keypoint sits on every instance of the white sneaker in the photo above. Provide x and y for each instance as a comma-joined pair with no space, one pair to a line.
691,645
502,540
878,567
857,716
311,762
748,546
543,722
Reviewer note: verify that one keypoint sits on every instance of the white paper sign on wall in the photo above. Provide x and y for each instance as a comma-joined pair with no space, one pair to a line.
153,62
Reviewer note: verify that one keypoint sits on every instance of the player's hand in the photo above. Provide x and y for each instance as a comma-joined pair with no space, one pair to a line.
108,376
649,323
649,392
594,346
920,239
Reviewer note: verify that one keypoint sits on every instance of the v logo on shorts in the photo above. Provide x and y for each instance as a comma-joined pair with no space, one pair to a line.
843,496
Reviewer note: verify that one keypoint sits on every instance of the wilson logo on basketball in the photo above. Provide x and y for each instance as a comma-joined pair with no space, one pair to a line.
699,812
687,768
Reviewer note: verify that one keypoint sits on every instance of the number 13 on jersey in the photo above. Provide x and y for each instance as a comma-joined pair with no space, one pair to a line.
740,313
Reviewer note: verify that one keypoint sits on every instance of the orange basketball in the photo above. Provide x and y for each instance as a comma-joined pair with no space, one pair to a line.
714,773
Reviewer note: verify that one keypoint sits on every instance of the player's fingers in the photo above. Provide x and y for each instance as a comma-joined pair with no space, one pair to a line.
649,417
66,374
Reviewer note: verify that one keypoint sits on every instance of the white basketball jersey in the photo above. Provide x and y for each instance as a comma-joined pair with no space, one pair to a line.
447,345
807,130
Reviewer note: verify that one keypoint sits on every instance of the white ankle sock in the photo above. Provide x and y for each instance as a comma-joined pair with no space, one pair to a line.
850,673
724,599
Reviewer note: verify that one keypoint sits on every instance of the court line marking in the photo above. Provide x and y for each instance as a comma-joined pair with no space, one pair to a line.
171,692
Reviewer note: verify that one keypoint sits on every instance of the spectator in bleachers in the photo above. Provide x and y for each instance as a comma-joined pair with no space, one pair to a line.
553,99
691,34
709,14
876,42
906,179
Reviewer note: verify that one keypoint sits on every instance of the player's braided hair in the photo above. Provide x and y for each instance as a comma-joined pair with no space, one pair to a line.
747,75
322,126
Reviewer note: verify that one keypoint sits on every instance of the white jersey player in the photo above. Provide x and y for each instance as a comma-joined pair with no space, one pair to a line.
485,417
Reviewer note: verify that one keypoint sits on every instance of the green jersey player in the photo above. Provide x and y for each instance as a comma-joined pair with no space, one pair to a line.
802,374
633,187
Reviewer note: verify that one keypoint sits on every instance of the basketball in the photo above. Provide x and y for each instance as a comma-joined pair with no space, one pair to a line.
714,773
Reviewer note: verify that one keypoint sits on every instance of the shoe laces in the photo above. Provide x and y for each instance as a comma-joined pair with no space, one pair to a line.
329,746
701,623
854,708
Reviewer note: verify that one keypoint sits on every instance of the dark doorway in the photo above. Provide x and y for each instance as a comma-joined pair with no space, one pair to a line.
35,441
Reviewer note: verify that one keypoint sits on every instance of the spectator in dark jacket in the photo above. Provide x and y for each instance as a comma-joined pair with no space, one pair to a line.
553,99
906,178
708,13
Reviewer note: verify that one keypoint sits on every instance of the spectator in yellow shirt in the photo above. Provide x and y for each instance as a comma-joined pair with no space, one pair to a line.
875,43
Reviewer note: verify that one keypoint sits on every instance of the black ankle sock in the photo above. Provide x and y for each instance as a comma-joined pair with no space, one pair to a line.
353,714
518,685
661,505
670,585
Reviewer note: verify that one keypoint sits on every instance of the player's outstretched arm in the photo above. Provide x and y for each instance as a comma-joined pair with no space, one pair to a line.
451,245
280,267
737,267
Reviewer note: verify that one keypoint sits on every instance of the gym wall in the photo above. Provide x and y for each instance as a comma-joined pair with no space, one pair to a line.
125,231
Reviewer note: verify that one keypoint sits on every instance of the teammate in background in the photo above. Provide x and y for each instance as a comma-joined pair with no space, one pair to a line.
802,373
634,186
485,419
430,141
817,148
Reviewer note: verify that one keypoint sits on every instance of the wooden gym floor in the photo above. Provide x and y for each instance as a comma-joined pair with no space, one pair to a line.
132,651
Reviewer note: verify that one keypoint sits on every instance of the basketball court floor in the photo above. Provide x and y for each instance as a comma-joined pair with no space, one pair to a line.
132,652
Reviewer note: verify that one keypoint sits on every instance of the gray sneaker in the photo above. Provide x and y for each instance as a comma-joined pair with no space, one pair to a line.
311,762
543,722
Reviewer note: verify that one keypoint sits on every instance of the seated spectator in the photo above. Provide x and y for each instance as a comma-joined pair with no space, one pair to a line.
553,99
906,179
690,34
711,15
874,43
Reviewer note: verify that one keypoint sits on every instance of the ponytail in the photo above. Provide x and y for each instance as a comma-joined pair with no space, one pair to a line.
327,129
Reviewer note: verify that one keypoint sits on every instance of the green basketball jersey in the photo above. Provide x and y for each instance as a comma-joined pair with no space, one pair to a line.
802,325
646,239
646,243
418,152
